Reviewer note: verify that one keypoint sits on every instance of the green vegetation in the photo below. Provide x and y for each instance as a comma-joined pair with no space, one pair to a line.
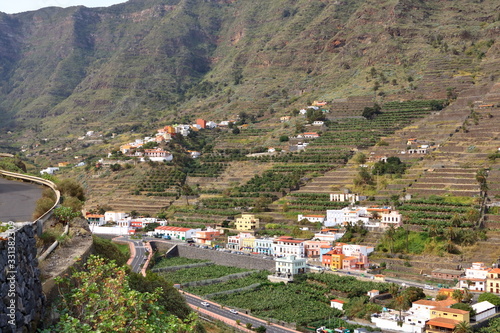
105,248
200,273
176,261
103,288
258,277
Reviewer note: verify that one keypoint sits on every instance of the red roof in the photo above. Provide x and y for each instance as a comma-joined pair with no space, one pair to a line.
173,228
337,301
494,270
443,322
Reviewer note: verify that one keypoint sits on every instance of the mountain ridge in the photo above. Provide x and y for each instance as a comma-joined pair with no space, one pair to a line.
64,70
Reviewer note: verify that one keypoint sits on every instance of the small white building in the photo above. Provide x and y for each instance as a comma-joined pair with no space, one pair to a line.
311,218
346,197
177,232
211,124
112,216
484,310
392,218
337,304
49,171
475,277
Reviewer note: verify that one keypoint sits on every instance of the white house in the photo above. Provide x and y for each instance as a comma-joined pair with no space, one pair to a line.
318,123
264,246
392,218
114,216
311,218
158,155
291,265
354,250
285,246
49,171
346,197
329,235
337,304
475,277
211,124
484,310
236,242
177,232
346,215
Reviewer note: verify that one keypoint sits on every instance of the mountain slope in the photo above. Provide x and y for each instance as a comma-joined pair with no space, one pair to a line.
69,70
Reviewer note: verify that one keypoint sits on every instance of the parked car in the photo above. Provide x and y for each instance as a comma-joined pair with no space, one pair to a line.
205,303
233,311
428,287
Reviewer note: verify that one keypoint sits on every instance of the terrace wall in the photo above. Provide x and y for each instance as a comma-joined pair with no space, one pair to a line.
219,257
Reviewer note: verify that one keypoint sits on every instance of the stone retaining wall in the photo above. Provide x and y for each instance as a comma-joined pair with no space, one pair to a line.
21,297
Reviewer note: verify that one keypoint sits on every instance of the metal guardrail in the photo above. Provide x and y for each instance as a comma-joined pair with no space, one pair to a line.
39,221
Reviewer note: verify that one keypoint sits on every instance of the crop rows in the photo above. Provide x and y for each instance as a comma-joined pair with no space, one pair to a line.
200,273
176,261
258,277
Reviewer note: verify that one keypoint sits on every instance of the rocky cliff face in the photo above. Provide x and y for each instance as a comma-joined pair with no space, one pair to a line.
66,70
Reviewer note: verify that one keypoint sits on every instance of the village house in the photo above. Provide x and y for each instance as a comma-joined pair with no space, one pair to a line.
493,281
446,274
141,222
95,219
111,216
330,235
346,197
264,246
312,248
287,267
337,304
318,123
49,171
202,123
346,215
236,242
158,155
247,222
285,119
248,244
391,218
285,245
311,218
309,135
445,319
177,232
211,124
206,236
475,277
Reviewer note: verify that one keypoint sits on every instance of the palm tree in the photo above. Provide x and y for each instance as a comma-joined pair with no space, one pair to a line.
457,295
462,327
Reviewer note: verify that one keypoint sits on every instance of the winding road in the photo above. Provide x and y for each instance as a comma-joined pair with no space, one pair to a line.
18,200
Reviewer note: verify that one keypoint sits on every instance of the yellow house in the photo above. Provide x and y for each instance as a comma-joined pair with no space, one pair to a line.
246,222
248,244
445,319
379,278
337,260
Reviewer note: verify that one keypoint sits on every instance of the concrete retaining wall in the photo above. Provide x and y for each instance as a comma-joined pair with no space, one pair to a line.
217,257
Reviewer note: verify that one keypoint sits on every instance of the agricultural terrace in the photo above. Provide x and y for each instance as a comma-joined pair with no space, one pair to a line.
439,211
302,201
200,273
308,299
177,261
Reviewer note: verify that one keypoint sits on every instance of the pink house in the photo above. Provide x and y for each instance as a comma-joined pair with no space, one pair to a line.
312,248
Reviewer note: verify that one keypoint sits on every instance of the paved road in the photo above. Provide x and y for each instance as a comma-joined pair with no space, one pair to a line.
241,316
18,200
140,253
